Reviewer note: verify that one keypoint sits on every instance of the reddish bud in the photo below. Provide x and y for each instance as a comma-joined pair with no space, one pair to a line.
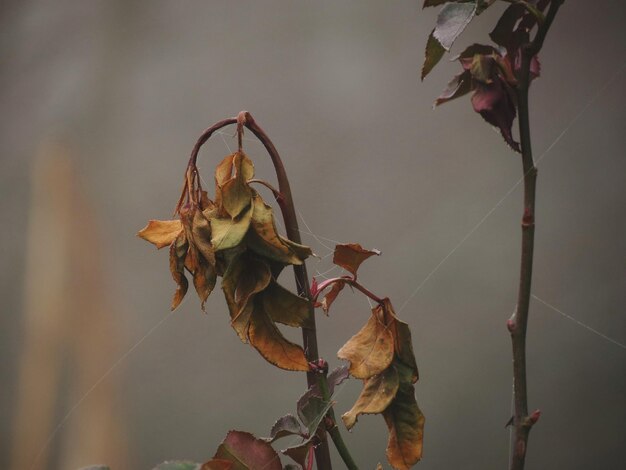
528,218
534,416
510,325
319,366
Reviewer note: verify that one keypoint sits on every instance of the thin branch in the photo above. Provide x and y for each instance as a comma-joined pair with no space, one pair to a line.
517,325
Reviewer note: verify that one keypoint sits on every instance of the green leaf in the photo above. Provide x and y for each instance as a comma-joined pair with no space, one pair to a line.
502,34
247,452
451,21
432,55
377,394
288,425
299,452
311,410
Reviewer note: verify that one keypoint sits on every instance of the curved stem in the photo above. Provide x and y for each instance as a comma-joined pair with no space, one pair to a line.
351,282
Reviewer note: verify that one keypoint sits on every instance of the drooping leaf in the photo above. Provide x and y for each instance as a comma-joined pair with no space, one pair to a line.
336,377
451,21
496,104
178,253
288,425
236,193
331,295
264,238
204,279
460,85
403,344
377,394
161,232
405,422
432,55
273,346
201,232
286,307
247,452
245,277
371,350
350,256
229,233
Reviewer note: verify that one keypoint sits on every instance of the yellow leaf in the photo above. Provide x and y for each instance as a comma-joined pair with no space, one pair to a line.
371,350
161,232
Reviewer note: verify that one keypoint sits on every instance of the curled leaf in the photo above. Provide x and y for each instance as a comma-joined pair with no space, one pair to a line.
285,307
178,253
229,233
161,232
350,256
331,295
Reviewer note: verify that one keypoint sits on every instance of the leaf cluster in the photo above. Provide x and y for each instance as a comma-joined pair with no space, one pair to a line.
235,237
490,73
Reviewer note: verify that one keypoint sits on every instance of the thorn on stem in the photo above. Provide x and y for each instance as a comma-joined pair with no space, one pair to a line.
534,416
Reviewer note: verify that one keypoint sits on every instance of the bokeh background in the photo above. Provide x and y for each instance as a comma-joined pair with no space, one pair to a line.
101,103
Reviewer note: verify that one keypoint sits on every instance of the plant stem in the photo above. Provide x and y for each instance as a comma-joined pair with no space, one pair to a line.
517,325
287,207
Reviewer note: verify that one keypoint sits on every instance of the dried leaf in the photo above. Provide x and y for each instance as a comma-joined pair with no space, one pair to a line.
403,344
171,465
247,452
161,232
432,55
405,422
232,176
245,277
351,255
201,232
178,253
273,346
371,350
264,238
288,425
204,279
217,464
331,295
377,394
229,233
286,307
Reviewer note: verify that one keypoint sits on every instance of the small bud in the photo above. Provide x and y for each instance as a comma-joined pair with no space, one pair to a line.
319,366
534,416
528,218
510,325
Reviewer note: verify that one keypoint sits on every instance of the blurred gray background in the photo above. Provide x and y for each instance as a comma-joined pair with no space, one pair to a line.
126,88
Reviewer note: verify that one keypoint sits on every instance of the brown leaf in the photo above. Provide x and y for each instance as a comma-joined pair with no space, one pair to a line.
371,350
178,253
201,231
204,279
351,255
229,233
161,232
377,394
245,277
264,238
232,177
403,344
283,306
331,295
247,452
273,346
405,422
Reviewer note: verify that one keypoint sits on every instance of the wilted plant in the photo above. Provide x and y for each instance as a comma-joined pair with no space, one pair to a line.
499,78
234,237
